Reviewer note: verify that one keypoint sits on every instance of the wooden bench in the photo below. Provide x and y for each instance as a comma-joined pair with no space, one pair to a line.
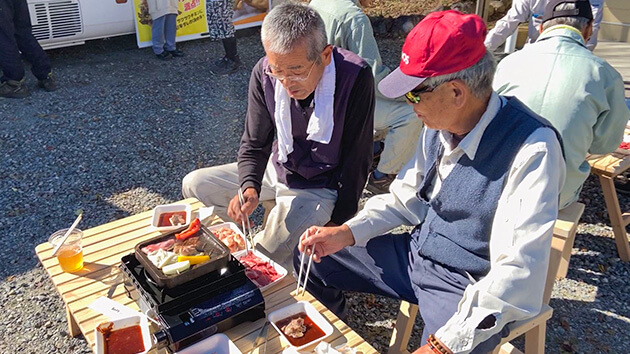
534,329
607,168
564,232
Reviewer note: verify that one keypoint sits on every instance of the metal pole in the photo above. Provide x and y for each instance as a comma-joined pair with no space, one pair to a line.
481,9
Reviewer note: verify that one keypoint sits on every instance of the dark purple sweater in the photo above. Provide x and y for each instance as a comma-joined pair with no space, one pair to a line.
342,165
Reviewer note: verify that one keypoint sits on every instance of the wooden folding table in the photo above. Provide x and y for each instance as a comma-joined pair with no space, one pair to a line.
103,247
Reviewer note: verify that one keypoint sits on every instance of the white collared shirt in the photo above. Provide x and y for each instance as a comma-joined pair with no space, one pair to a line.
520,239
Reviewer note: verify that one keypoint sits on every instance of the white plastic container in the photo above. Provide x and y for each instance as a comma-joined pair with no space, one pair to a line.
218,343
280,269
170,208
123,323
294,309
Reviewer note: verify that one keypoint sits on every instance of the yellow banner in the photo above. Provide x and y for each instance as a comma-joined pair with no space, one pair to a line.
191,21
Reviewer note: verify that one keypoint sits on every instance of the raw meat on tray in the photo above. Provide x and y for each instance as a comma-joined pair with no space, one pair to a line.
258,270
231,239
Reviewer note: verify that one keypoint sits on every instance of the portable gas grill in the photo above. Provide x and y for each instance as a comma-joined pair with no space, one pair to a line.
196,309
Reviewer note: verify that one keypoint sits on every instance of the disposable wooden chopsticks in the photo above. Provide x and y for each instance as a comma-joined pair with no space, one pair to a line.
308,270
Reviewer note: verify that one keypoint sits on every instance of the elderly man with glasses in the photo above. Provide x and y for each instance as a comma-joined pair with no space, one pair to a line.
482,192
311,108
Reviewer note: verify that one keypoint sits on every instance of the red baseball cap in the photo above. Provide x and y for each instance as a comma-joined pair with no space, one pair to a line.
442,43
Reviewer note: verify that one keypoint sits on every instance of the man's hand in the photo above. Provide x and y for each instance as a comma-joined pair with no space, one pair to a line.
240,213
329,240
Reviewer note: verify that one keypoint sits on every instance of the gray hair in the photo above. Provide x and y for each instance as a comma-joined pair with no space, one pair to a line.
290,24
579,23
478,78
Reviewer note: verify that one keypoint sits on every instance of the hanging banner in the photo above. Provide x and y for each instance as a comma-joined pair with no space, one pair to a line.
191,21
250,13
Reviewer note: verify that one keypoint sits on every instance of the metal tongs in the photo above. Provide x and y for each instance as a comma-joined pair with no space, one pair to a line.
248,238
308,269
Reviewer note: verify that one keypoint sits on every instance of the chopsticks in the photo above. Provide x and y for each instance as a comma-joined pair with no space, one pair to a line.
248,237
264,333
308,270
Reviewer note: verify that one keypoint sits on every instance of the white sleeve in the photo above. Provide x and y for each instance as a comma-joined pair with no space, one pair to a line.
520,244
520,11
400,206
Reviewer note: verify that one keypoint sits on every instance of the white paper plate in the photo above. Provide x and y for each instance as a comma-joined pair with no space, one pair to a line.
123,323
294,309
280,269
217,344
170,208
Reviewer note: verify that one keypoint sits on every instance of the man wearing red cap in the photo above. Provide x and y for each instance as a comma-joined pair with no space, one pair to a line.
481,191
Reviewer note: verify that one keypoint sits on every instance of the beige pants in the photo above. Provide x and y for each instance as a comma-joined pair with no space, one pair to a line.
403,130
295,210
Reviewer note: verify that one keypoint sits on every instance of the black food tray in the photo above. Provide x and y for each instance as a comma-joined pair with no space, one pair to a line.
220,255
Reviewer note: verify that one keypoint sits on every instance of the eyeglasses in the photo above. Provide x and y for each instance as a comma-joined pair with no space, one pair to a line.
413,96
298,78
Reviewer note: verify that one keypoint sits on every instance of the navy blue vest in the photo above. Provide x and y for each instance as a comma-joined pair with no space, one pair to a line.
312,164
456,230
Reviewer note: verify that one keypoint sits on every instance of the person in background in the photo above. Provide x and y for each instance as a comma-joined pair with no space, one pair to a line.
482,191
220,25
311,109
531,11
347,26
597,6
164,28
16,36
578,92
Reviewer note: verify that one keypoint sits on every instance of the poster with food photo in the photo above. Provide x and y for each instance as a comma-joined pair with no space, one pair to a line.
191,21
250,13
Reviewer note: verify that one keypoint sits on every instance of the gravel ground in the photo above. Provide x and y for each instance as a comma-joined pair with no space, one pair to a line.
124,128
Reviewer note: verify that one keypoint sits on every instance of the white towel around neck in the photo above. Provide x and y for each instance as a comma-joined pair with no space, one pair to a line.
321,123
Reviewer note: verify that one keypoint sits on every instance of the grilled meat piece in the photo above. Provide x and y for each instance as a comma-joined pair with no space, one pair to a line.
187,247
295,328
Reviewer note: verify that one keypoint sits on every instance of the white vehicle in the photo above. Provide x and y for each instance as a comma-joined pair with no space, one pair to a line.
62,23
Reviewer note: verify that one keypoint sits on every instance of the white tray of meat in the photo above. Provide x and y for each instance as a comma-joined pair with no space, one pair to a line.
263,271
230,235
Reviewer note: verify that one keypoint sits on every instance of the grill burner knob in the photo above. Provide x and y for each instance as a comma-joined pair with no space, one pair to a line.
160,338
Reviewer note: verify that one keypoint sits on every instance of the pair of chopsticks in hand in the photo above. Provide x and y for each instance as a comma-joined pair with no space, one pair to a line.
308,269
249,237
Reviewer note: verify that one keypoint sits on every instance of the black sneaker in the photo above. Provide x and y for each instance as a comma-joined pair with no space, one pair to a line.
381,185
164,56
14,89
48,84
622,186
176,53
225,65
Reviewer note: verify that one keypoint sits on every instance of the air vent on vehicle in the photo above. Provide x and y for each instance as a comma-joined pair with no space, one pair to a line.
57,19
